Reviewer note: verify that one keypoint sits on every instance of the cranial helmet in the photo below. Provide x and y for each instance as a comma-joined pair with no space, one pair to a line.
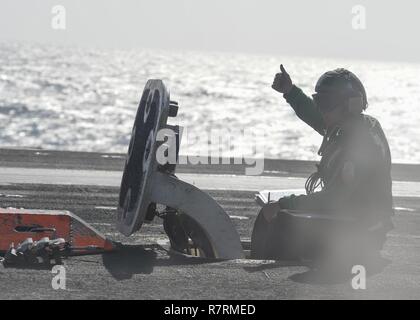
340,88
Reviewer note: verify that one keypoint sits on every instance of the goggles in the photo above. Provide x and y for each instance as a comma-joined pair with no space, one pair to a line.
327,102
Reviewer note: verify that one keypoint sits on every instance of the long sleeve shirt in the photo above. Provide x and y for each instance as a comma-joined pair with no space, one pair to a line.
355,168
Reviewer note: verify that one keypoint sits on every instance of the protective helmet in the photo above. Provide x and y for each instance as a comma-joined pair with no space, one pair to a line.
340,87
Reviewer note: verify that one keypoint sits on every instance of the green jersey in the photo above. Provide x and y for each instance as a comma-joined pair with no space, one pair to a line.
354,174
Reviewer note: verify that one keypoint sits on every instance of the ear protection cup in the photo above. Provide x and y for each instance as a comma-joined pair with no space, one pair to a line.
357,102
355,105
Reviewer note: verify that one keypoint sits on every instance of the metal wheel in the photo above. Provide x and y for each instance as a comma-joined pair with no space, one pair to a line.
187,236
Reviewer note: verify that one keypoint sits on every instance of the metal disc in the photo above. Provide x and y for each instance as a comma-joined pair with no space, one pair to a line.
152,114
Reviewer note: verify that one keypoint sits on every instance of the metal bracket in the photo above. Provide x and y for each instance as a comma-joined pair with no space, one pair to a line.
146,182
188,199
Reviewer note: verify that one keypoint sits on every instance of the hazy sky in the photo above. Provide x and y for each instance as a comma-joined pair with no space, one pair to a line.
320,28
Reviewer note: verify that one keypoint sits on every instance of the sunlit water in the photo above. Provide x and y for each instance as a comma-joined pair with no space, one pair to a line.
83,99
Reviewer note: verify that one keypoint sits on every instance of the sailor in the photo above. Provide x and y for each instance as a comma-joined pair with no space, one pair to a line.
353,179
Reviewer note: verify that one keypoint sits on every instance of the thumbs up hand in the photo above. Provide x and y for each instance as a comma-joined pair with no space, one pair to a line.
282,81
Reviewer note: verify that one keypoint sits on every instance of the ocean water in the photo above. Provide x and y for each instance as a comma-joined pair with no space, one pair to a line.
69,98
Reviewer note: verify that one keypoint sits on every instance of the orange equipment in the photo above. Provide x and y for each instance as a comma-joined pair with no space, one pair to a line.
17,225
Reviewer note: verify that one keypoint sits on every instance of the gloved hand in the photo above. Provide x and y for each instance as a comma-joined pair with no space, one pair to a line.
271,209
282,81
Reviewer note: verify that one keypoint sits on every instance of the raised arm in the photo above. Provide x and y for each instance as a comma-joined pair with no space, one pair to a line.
303,105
